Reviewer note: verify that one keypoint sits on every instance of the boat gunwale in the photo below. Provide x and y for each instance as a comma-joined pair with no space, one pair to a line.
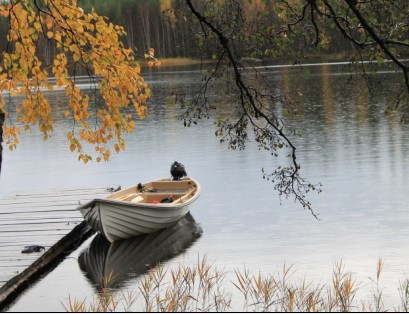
131,204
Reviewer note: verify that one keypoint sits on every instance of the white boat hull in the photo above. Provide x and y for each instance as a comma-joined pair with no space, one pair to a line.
117,217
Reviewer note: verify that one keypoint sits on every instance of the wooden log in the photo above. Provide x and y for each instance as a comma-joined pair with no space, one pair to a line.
44,264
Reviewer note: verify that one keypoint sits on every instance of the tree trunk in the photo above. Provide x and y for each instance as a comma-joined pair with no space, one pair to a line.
44,264
2,118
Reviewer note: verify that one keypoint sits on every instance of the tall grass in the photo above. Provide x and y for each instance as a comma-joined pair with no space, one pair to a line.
204,287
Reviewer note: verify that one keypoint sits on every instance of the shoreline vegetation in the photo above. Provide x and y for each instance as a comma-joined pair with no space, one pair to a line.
181,61
205,288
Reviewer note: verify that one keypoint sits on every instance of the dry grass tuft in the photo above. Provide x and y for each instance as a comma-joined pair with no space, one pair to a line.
205,288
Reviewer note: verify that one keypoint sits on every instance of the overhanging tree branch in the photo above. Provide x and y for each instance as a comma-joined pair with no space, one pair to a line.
377,40
380,41
288,180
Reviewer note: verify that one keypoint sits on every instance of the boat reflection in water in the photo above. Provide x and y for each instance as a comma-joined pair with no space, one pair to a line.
123,260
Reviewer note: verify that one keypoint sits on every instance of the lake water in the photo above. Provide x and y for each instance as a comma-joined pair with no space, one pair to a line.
359,155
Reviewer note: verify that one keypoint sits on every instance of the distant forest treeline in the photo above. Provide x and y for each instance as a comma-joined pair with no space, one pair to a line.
170,29
150,24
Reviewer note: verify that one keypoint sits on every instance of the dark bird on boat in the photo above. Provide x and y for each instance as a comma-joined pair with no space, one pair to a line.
177,170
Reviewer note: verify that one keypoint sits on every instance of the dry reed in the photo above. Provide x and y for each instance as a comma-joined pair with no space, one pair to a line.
205,288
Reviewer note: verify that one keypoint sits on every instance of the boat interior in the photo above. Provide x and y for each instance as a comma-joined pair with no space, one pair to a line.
156,191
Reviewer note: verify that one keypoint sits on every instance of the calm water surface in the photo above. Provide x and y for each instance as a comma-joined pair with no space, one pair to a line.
358,154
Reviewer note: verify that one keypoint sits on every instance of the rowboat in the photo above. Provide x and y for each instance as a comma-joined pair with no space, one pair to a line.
126,259
141,209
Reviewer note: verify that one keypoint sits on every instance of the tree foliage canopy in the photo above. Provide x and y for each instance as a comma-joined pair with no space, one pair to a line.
84,43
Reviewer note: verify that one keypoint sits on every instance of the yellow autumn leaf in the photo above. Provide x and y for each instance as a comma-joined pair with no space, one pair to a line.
5,13
37,26
49,22
57,36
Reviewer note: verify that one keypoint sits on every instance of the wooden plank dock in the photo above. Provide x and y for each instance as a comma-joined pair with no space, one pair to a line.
37,219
